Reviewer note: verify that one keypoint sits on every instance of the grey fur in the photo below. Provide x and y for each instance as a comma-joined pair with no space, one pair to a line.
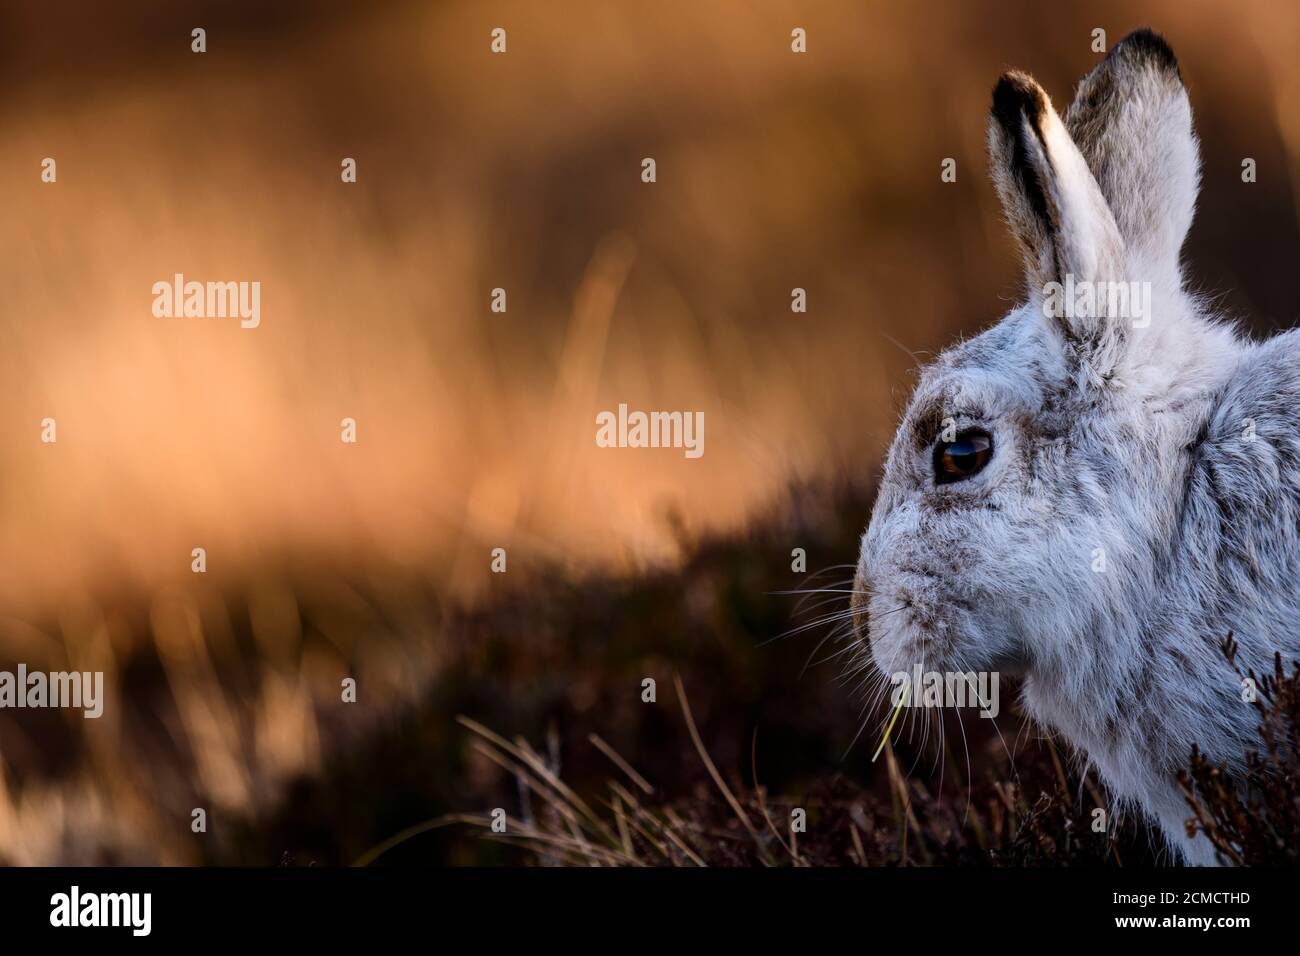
1135,440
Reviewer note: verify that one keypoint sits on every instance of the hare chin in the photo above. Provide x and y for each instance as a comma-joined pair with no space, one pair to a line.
958,643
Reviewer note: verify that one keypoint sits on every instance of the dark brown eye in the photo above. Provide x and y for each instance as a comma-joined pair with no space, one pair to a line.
955,460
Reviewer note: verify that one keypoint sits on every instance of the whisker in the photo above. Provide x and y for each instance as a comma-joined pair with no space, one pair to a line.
818,591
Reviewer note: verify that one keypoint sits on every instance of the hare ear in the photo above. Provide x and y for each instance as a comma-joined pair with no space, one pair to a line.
1057,212
1133,124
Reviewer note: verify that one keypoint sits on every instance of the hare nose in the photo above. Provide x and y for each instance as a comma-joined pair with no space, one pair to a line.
858,605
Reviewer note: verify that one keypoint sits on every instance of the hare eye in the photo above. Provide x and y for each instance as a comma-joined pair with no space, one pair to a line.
955,460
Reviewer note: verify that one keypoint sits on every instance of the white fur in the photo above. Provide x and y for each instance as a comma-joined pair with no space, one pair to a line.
1106,435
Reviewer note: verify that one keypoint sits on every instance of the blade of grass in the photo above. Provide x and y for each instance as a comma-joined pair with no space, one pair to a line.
713,770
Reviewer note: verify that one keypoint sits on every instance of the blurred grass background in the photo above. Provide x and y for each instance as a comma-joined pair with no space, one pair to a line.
476,429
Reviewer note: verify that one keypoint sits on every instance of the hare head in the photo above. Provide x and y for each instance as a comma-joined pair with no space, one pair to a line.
1021,455
1055,444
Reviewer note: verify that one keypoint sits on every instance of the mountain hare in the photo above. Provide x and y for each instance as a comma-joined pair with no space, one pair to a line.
1095,491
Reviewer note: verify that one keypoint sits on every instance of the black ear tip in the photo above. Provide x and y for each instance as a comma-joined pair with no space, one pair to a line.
1147,47
1017,95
